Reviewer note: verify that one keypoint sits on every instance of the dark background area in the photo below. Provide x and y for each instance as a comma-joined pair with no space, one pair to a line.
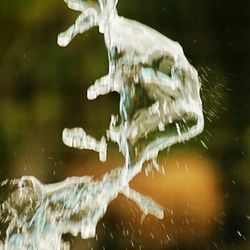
43,89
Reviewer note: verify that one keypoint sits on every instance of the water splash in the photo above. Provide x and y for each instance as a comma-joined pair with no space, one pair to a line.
159,106
38,215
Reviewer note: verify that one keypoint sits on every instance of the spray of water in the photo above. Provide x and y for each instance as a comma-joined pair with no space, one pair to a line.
159,106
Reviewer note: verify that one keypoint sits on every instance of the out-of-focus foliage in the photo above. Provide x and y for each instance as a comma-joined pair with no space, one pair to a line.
43,89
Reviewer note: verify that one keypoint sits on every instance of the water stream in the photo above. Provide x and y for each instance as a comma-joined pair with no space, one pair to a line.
160,105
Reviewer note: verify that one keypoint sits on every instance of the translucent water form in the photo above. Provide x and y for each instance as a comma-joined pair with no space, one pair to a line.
160,105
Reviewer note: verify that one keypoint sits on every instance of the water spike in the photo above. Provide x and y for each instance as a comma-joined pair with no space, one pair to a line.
84,22
78,138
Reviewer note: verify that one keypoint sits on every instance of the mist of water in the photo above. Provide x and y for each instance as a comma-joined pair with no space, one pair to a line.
160,105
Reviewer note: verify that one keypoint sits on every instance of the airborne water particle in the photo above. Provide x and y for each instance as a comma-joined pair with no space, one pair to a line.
204,144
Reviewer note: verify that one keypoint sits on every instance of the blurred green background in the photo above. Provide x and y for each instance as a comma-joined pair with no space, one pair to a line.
43,89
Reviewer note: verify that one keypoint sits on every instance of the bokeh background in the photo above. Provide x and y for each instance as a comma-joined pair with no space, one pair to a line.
206,186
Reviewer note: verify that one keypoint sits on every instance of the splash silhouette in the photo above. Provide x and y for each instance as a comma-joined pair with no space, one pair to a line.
160,105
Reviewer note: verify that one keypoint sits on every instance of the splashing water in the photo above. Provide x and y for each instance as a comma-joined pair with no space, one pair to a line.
159,106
